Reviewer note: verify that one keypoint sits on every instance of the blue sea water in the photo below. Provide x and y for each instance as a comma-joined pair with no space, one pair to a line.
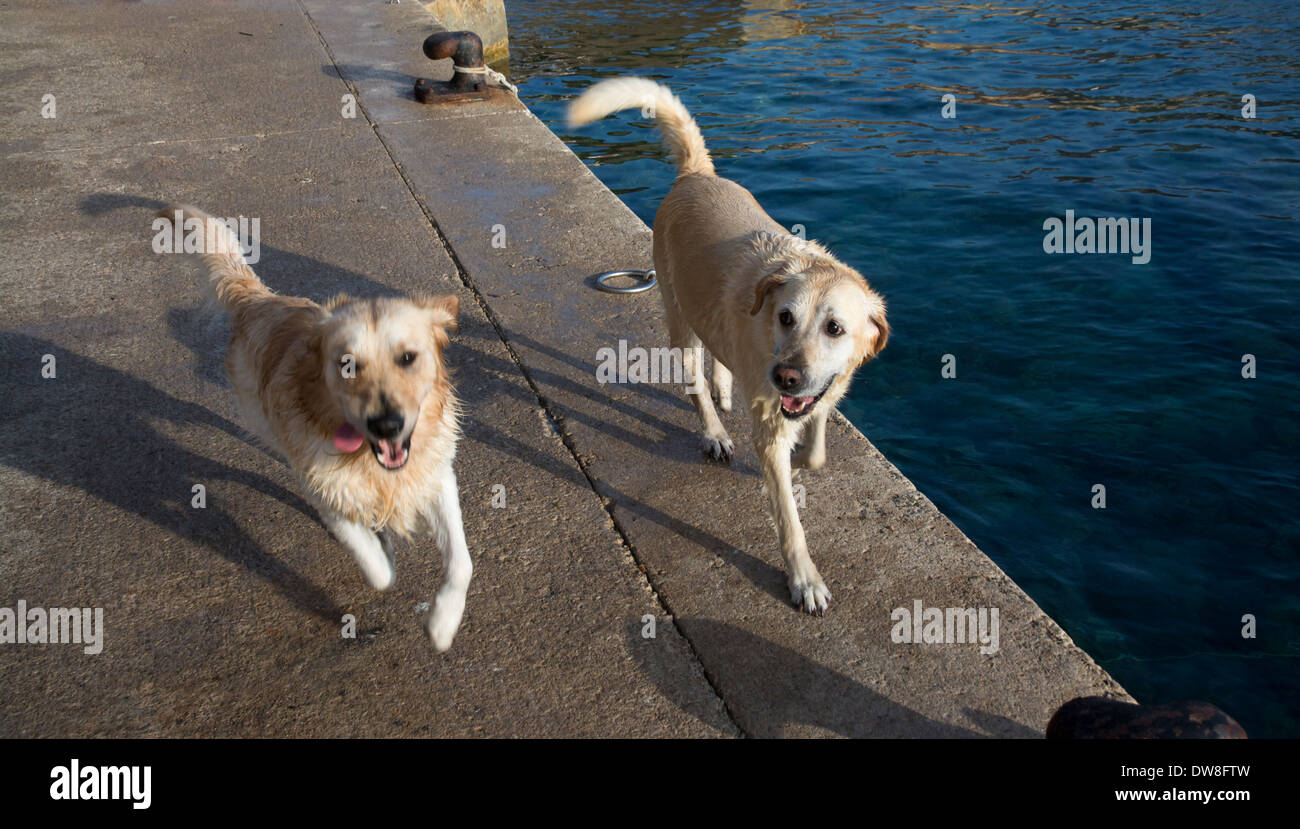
1071,370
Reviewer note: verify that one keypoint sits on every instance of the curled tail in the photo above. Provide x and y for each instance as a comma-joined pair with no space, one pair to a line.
681,133
230,283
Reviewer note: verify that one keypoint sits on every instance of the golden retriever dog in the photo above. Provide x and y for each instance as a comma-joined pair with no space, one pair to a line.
780,313
356,397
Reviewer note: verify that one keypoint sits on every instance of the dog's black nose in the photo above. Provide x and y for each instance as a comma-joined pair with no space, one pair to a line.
387,426
787,377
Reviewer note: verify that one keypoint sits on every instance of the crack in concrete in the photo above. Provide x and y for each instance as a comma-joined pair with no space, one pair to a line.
557,419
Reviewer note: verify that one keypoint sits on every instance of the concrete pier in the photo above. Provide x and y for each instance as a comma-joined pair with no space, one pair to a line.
226,620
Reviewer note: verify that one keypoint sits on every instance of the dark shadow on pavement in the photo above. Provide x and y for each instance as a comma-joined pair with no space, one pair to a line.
92,429
1000,726
768,687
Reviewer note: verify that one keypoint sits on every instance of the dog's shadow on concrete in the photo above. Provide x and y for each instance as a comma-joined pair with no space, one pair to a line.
673,442
91,428
766,577
770,687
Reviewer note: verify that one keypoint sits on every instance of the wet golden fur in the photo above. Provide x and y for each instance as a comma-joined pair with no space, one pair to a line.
727,272
286,360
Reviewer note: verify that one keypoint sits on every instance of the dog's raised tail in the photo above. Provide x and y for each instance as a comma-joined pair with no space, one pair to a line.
231,282
657,101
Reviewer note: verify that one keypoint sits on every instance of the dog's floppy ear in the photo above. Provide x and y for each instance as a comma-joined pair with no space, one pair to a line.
311,368
766,285
445,310
882,336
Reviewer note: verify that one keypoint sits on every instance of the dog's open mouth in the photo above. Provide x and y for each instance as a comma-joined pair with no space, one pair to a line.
390,453
794,407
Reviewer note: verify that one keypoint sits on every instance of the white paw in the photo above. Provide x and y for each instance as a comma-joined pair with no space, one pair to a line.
810,594
444,620
378,571
382,580
724,400
368,550
719,447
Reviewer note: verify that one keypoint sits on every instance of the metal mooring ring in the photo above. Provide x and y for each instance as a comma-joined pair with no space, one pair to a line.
647,281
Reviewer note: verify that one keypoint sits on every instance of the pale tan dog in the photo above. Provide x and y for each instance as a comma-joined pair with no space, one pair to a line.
356,397
780,313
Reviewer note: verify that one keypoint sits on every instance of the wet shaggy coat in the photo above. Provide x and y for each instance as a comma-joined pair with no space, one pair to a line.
763,302
286,360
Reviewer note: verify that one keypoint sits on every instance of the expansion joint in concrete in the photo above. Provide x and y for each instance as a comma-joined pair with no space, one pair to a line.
557,419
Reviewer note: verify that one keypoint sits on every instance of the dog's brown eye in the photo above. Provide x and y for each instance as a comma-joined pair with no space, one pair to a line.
407,358
786,318
833,328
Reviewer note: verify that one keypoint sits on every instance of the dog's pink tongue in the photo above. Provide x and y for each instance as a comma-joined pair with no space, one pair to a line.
794,404
394,454
347,439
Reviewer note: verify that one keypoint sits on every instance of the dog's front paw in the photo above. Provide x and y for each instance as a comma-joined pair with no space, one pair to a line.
718,447
444,620
810,594
381,578
378,571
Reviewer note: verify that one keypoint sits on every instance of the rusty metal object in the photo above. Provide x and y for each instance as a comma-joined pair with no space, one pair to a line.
466,52
1100,718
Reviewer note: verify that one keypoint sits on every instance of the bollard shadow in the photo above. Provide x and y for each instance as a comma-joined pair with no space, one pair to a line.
96,434
403,83
768,687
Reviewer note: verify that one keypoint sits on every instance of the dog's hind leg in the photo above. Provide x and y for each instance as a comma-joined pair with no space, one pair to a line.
721,385
715,441
812,455
449,534
365,547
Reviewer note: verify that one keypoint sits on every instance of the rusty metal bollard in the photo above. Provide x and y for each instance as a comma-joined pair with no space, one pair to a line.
469,81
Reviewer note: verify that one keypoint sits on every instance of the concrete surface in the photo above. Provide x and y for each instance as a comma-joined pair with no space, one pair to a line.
226,621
